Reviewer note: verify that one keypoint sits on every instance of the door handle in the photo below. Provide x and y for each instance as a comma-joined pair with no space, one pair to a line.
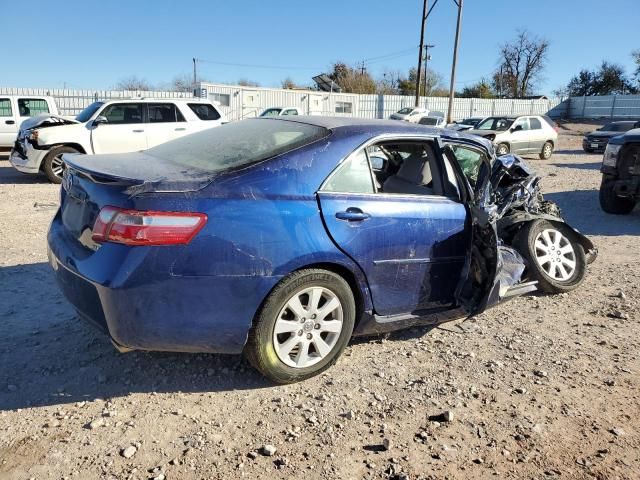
138,131
180,129
10,122
352,214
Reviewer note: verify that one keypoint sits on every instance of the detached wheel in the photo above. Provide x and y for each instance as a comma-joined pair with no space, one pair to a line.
554,258
547,151
502,149
303,327
53,165
612,203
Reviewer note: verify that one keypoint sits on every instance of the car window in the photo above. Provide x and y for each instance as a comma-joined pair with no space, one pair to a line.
353,176
411,170
237,144
204,111
470,161
404,111
5,107
522,122
164,112
534,123
271,112
28,107
495,123
123,113
290,111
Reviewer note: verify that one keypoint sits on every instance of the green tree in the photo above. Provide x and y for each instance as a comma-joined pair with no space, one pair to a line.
352,80
481,89
608,79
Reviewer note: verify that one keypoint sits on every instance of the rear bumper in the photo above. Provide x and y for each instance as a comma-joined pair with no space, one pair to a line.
127,293
27,159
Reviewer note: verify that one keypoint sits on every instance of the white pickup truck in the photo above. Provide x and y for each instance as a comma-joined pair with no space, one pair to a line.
14,109
114,126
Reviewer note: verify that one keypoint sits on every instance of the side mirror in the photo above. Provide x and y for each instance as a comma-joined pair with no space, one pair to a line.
100,120
377,163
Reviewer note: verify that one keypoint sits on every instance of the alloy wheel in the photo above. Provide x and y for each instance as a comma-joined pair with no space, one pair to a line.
57,165
555,254
308,327
547,150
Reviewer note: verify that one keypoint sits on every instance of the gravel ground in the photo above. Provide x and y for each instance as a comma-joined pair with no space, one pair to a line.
542,386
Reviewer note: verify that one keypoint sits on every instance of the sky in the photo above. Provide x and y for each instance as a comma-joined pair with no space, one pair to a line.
91,45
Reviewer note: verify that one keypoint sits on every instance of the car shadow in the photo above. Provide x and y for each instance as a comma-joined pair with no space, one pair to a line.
9,175
51,357
580,166
577,151
581,209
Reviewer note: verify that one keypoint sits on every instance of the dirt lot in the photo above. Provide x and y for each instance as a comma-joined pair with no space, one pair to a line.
543,386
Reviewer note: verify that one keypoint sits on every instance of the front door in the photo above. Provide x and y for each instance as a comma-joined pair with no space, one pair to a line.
519,137
124,131
409,238
8,124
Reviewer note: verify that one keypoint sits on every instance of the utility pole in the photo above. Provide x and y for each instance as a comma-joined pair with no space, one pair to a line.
194,72
455,60
420,50
426,61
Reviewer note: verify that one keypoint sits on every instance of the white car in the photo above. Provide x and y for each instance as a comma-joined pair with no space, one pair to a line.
280,111
525,134
410,114
14,109
115,126
433,121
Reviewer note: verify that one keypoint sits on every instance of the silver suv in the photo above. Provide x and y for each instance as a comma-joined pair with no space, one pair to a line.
530,134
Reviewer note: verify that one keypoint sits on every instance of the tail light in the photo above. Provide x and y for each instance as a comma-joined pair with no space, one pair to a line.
138,227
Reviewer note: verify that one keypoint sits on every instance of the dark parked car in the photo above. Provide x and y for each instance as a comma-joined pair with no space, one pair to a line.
620,187
466,124
283,238
597,140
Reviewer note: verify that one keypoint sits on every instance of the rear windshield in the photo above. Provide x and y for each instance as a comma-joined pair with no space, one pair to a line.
237,144
204,111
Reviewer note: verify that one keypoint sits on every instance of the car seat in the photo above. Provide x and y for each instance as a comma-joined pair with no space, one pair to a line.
413,177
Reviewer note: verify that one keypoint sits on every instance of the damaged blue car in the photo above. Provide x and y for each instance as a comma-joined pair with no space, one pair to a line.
283,238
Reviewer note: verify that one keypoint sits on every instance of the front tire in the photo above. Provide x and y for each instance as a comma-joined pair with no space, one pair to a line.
612,203
303,326
547,151
502,149
53,165
554,257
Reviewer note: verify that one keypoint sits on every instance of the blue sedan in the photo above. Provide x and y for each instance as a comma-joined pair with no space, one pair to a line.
281,239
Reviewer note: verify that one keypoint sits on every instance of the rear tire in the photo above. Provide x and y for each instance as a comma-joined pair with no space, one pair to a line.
310,339
547,151
502,149
53,166
554,257
612,203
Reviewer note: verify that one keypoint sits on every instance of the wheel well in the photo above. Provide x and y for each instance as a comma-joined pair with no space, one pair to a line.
77,146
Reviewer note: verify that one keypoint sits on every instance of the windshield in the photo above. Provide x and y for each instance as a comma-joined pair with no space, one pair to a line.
405,111
271,112
237,144
495,123
88,112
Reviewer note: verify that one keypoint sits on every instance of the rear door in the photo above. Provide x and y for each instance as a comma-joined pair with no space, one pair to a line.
8,124
165,122
412,247
30,107
537,134
124,131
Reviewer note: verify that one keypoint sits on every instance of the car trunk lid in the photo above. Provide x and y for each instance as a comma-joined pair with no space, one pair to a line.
91,182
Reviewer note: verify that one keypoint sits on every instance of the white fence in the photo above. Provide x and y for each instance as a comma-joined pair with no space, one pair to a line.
239,102
605,106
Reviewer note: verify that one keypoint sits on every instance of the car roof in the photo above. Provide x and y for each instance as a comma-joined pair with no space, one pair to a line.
155,100
375,127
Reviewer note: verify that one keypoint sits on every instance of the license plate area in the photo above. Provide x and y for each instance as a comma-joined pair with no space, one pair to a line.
595,145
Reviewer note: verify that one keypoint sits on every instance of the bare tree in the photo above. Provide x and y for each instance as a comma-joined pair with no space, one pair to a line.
352,80
182,83
133,83
244,82
288,84
521,62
